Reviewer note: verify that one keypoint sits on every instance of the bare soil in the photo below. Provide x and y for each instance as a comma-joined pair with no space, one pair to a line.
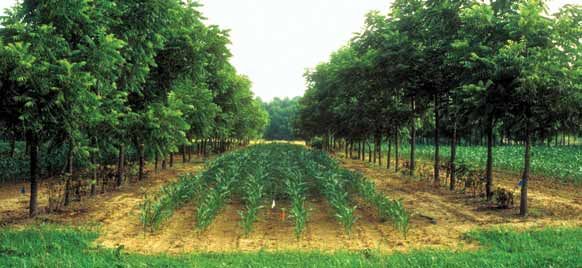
439,218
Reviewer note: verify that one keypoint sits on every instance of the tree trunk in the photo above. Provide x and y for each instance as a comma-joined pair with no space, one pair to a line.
363,150
396,153
523,206
489,167
184,160
93,175
369,152
121,165
204,147
12,147
413,137
141,161
34,174
380,150
375,149
171,160
436,141
346,149
388,155
190,153
156,161
452,165
69,177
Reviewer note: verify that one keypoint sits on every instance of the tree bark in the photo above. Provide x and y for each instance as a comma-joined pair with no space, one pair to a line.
436,141
93,175
369,151
489,167
156,161
452,165
388,155
380,150
413,137
141,161
396,153
523,206
171,160
12,147
184,160
69,177
363,150
121,165
190,152
32,142
375,149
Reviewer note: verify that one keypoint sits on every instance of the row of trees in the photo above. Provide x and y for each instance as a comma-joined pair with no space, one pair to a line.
282,113
452,67
101,77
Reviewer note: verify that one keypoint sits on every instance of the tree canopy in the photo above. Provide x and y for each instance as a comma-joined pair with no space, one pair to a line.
451,70
99,78
282,114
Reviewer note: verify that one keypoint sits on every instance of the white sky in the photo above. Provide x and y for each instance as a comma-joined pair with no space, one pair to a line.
274,41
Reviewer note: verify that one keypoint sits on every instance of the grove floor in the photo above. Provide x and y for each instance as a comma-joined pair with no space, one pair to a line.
439,218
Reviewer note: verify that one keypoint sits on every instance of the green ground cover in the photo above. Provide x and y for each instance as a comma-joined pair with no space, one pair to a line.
52,246
563,163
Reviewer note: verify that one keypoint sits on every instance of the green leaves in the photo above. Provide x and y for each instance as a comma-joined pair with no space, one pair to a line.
296,189
102,73
262,173
333,186
387,209
253,188
158,208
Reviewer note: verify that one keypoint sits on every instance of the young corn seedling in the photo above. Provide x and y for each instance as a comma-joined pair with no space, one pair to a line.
253,188
387,208
296,189
215,199
333,189
154,211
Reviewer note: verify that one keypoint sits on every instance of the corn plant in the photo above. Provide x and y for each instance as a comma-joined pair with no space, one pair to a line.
562,163
254,191
296,189
155,210
215,199
282,171
333,188
387,208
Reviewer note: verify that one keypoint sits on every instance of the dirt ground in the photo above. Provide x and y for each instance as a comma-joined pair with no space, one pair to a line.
439,218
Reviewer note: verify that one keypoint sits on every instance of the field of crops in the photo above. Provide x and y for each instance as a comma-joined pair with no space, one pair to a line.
265,175
561,162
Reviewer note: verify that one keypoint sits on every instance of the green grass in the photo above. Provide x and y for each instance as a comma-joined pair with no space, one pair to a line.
563,163
51,246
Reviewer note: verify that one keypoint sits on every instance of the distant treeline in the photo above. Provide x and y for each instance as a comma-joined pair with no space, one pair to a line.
282,114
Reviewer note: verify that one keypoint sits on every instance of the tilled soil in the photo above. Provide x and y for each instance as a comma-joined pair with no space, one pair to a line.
439,218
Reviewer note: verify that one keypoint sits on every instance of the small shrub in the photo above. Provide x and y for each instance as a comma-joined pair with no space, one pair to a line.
503,198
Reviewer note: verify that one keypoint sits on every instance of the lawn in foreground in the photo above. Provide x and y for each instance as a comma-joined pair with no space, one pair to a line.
52,246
